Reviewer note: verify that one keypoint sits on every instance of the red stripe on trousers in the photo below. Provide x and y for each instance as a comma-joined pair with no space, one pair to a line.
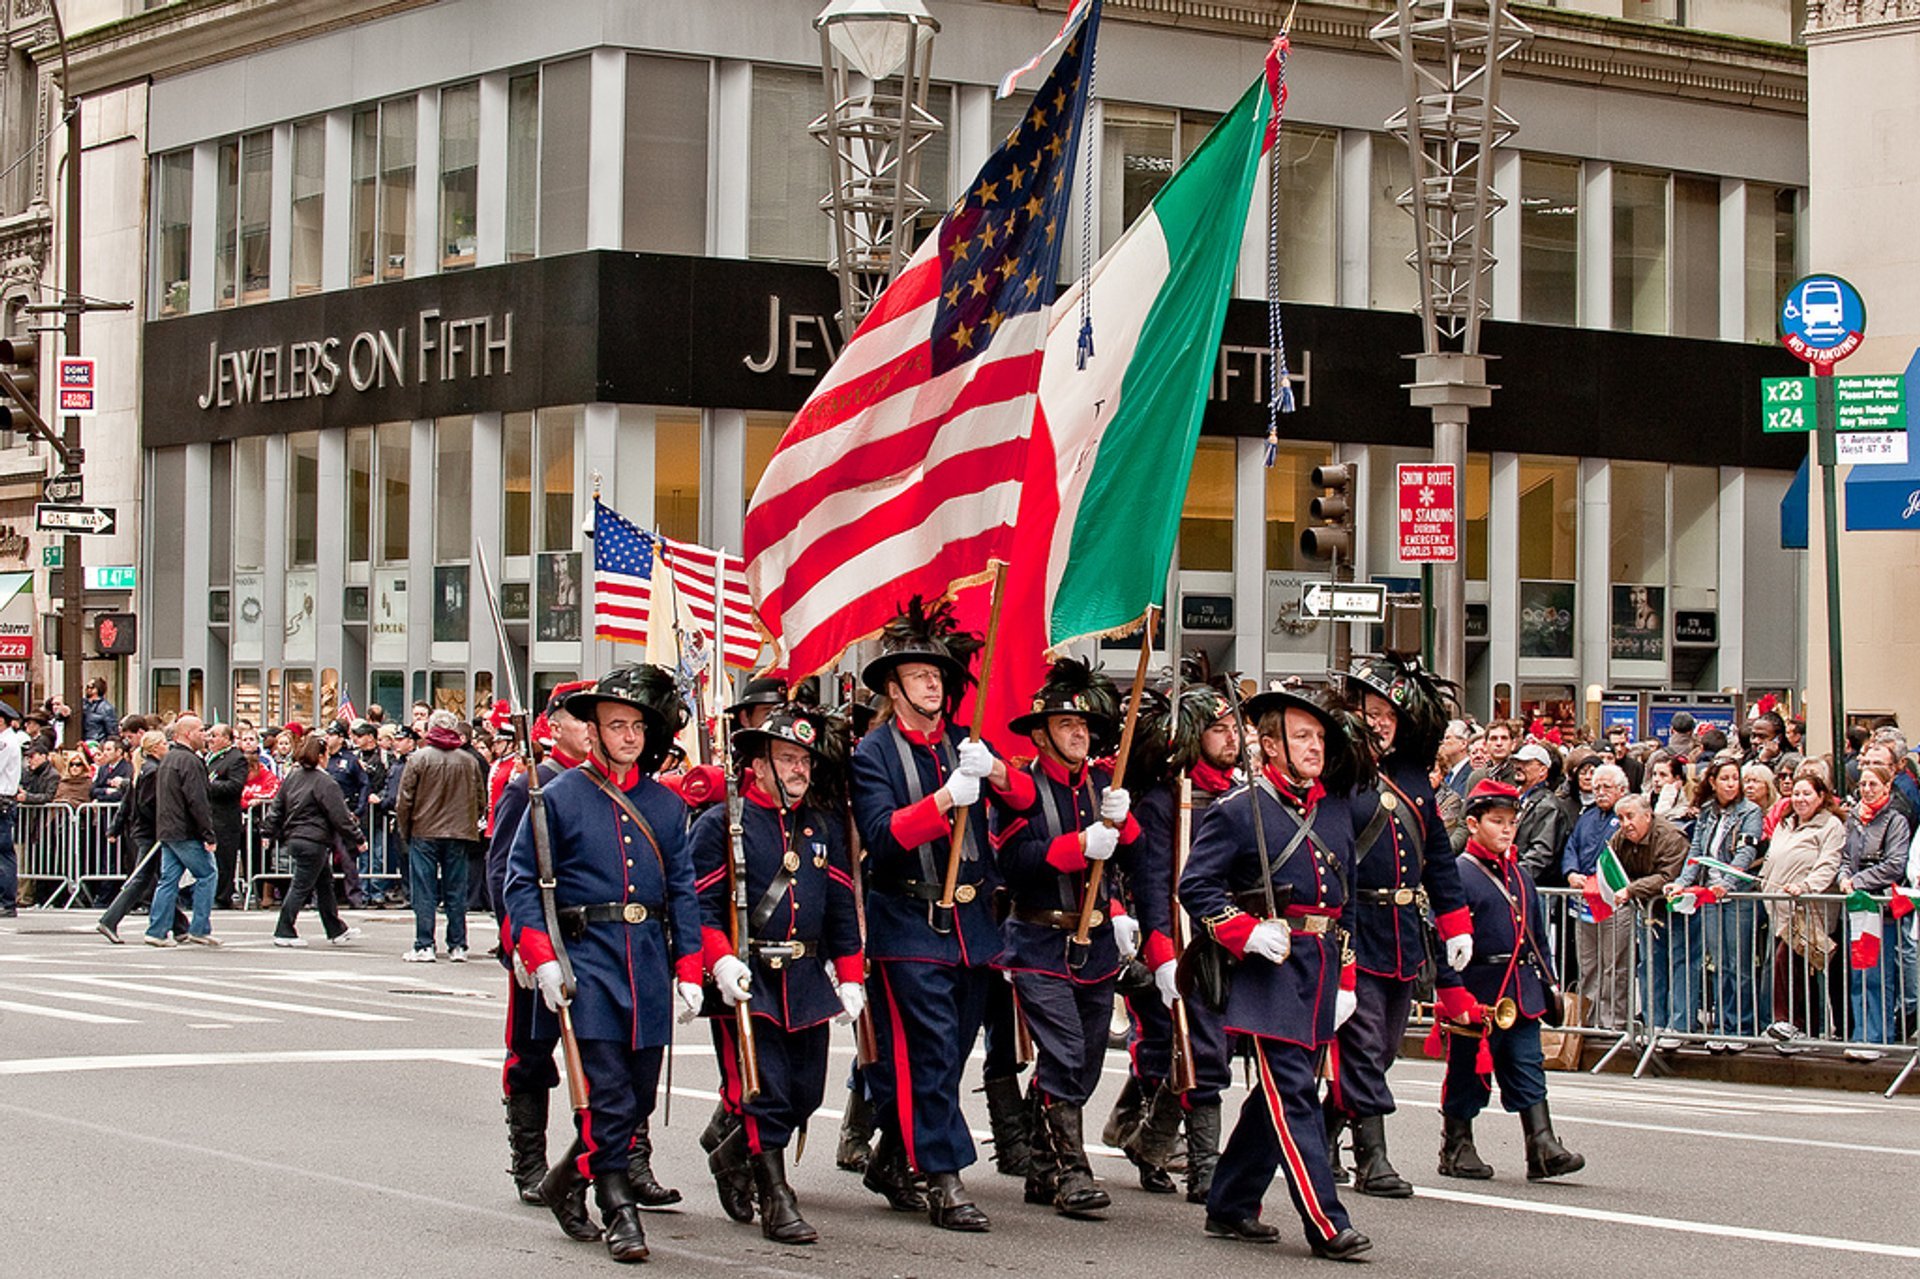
1296,1166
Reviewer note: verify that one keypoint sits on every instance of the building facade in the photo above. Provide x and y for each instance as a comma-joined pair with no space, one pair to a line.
415,279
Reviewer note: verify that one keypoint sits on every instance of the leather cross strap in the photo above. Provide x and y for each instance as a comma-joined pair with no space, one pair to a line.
929,866
1299,836
782,877
619,797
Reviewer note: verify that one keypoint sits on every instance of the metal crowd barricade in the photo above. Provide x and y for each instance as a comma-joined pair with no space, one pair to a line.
99,866
44,846
265,859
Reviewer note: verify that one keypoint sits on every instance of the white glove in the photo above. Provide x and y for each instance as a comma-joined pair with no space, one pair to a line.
1344,1004
853,1000
690,999
1163,979
963,789
976,760
734,978
1115,804
521,977
1459,951
552,993
1126,935
1272,940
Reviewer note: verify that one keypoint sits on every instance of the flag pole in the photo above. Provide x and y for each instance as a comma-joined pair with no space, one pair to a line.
961,813
1094,875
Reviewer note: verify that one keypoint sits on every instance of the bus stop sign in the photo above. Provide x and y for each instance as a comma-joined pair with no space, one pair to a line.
1823,320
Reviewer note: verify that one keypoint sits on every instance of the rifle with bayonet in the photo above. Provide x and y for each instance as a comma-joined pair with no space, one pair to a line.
741,932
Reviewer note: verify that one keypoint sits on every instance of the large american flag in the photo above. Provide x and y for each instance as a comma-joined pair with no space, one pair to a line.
901,474
625,558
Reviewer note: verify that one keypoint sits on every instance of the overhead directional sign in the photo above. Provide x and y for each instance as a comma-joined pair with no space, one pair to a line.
1344,601
48,518
1869,402
64,487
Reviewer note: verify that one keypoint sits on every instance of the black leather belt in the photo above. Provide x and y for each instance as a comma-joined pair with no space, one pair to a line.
1067,921
1490,960
921,890
778,953
608,913
1391,896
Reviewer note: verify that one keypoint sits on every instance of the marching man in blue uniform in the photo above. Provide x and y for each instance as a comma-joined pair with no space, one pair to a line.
928,988
1269,881
1511,962
804,965
1404,869
1065,989
623,883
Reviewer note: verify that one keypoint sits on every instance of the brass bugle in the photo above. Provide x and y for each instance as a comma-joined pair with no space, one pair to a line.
1503,1014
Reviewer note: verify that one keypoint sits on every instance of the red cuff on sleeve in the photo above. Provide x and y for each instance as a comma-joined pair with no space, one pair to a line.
1455,923
687,968
920,823
850,968
1233,932
534,948
714,945
1156,950
1065,855
1019,791
506,938
1129,830
1349,977
1456,1004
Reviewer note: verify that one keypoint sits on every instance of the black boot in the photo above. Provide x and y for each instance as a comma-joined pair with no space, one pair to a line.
780,1218
1372,1174
719,1123
1075,1194
1458,1158
1151,1145
1345,1246
1203,1150
527,1140
620,1212
646,1187
564,1191
888,1176
1129,1108
1012,1133
1336,1124
950,1207
1043,1165
1546,1157
856,1133
732,1178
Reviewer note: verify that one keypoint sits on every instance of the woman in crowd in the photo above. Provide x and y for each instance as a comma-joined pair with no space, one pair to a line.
1667,789
1803,858
1726,830
76,779
262,782
1875,860
306,815
1756,782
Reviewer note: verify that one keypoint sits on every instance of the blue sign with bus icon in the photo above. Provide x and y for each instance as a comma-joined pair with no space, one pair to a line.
1823,319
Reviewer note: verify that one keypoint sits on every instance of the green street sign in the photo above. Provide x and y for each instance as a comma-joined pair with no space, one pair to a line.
52,556
1866,402
1786,404
112,577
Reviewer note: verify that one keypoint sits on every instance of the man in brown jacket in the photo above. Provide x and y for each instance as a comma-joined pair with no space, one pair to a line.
441,814
1653,851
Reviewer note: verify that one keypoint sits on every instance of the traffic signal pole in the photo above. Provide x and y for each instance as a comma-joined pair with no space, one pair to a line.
73,570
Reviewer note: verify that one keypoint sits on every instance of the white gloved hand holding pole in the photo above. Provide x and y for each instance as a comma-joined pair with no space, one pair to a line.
1126,935
734,978
1100,841
853,1000
1115,805
690,1000
552,992
963,789
1459,951
976,760
1271,940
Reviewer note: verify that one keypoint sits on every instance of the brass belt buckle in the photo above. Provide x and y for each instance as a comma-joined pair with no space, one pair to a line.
1403,897
963,893
634,912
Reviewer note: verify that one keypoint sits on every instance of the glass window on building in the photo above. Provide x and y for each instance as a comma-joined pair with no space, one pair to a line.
1136,159
309,203
398,123
172,232
664,209
1206,518
395,443
558,430
256,214
1637,519
1392,285
1696,526
1639,251
764,432
450,692
1549,240
1194,128
789,170
1773,255
359,495
364,207
936,153
1476,501
1696,257
566,117
516,459
523,164
1008,113
303,491
226,222
1289,492
302,703
459,174
676,475
164,622
1309,243
1549,518
247,703
453,490
249,512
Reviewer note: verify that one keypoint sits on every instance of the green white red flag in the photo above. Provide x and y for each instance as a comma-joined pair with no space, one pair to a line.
1609,878
1864,926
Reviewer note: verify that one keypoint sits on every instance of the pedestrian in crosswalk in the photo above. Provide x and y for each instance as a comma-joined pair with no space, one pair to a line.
307,814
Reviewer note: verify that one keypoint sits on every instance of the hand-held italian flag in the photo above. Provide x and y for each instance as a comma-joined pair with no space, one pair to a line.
1902,903
1608,878
1864,926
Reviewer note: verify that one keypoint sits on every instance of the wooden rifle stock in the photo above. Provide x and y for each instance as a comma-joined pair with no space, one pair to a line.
962,812
741,931
866,1041
1091,898
1181,1074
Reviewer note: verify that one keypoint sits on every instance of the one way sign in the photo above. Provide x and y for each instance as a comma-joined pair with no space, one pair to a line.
1344,601
48,518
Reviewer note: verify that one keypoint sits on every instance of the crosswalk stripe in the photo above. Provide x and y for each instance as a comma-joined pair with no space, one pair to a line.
417,1002
311,1010
120,1001
64,1014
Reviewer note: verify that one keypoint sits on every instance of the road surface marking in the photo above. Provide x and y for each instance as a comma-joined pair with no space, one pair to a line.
1851,1147
237,1001
425,1004
118,1001
290,1056
65,1014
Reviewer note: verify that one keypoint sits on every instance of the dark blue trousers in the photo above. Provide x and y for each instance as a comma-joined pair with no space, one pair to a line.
532,1035
1516,1064
622,1085
926,1017
1150,1048
1002,1041
1366,1045
1280,1128
793,1078
1069,1024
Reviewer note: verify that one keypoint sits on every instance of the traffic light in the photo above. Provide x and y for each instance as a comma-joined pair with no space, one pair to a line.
117,634
19,360
1333,509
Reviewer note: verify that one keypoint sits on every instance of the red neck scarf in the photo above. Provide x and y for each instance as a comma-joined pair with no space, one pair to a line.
1290,790
1215,781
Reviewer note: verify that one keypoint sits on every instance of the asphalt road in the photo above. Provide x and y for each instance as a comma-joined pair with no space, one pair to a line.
334,1111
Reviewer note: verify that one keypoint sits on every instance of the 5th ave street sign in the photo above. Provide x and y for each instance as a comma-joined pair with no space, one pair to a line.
1344,601
48,518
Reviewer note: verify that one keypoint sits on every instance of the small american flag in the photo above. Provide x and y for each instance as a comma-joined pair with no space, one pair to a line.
346,713
624,560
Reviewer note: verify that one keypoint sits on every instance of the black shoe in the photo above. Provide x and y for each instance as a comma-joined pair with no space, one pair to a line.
564,1191
780,1218
732,1177
620,1211
108,931
647,1190
1372,1174
1546,1157
1074,1192
1150,1146
856,1134
1008,1116
527,1141
950,1207
1154,1181
1245,1229
1345,1246
1458,1158
889,1177
1203,1150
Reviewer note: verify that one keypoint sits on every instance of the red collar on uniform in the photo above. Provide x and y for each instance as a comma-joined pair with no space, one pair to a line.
1290,790
624,782
932,737
1215,781
1486,854
562,759
1059,772
752,793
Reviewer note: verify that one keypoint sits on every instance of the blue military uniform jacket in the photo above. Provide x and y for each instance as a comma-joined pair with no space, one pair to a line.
508,811
815,908
1039,855
1411,852
887,807
1150,879
624,972
1292,1001
1510,948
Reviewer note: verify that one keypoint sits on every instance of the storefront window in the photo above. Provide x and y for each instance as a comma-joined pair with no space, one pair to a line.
459,174
764,431
665,204
1289,490
250,515
676,475
1391,283
1309,261
450,692
523,164
516,449
397,138
1206,518
1549,518
300,703
1696,257
303,488
789,169
1476,500
1773,254
1639,251
395,444
166,692
359,495
453,490
1549,241
1637,515
1696,526
173,232
558,428
1136,159
309,203
246,697
565,124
